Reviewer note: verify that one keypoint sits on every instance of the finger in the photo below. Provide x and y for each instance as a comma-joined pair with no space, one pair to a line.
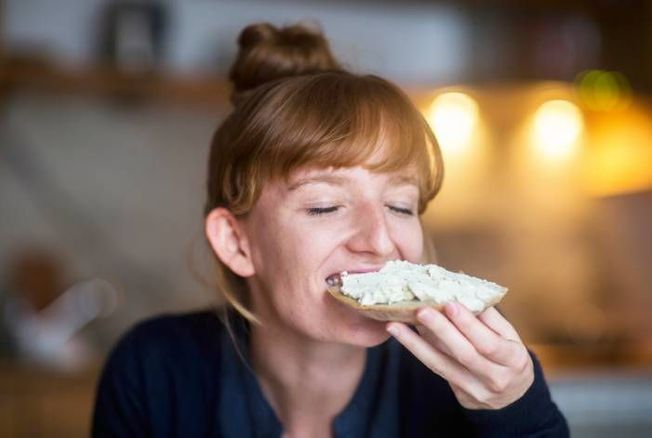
459,347
499,324
486,341
432,339
434,359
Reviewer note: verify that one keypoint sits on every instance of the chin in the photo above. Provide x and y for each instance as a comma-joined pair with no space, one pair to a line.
355,329
368,340
366,332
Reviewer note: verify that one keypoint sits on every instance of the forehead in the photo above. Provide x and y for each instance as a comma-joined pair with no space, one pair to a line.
348,175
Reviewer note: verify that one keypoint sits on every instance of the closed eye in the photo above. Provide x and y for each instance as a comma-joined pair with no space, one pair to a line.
400,210
317,211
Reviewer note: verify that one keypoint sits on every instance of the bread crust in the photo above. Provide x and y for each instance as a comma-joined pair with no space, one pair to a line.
404,311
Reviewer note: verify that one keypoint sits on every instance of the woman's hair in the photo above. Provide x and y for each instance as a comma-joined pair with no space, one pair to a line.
267,53
294,106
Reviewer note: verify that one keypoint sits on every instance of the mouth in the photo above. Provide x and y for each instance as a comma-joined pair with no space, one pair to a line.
335,279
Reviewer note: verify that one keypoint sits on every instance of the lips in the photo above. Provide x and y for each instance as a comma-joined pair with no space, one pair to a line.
361,270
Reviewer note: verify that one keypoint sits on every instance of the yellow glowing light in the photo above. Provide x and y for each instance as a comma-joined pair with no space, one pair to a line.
619,159
453,117
557,128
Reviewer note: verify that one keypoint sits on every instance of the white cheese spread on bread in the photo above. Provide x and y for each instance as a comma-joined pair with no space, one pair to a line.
400,281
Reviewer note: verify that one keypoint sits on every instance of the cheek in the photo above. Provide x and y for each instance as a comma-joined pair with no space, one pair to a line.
408,238
288,254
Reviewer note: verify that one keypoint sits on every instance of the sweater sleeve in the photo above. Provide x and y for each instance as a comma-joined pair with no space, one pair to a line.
533,415
120,407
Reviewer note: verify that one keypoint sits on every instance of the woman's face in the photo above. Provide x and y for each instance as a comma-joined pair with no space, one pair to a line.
324,221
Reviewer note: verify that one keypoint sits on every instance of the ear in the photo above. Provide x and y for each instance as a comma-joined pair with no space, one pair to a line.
228,240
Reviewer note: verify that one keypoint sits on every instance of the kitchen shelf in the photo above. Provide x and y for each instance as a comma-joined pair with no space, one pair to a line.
96,80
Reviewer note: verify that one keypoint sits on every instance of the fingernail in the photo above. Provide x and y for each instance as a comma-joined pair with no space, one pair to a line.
393,330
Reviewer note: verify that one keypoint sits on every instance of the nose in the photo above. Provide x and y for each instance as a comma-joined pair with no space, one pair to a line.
371,234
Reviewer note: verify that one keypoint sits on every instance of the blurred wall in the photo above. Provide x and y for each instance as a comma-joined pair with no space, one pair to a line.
202,34
116,189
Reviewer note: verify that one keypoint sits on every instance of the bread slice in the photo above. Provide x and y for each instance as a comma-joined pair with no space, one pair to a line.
400,288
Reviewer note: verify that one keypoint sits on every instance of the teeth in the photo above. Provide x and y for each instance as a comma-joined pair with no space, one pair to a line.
334,280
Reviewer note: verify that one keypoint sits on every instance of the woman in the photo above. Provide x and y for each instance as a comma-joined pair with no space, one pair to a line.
317,171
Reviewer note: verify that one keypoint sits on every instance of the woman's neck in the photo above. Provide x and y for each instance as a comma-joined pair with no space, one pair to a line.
308,383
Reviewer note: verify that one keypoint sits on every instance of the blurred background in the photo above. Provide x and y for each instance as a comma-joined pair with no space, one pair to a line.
543,109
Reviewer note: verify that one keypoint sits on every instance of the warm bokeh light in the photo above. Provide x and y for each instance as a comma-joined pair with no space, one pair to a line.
619,159
557,128
453,116
466,147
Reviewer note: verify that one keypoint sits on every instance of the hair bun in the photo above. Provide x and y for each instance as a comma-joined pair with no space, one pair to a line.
267,53
256,34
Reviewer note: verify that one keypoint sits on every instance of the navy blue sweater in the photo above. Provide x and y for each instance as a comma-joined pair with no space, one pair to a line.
182,376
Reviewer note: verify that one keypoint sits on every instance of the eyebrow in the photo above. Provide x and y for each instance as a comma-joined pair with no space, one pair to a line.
404,180
338,180
330,179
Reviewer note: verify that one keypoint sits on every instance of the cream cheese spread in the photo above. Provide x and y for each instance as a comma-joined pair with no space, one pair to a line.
400,281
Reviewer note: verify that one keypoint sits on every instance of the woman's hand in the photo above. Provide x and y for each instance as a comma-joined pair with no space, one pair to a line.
482,358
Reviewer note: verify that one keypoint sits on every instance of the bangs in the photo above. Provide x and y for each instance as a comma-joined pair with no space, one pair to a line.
325,121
